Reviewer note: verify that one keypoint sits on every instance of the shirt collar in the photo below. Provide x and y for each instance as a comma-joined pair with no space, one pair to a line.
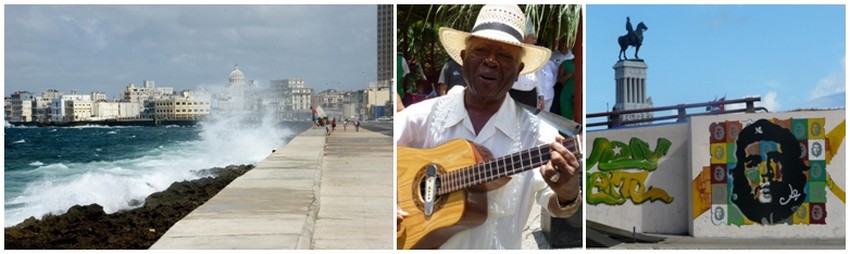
504,120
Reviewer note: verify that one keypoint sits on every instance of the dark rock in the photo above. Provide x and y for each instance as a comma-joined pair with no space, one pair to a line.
89,227
134,202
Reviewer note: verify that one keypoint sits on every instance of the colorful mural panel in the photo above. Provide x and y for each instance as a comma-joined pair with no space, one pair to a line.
767,172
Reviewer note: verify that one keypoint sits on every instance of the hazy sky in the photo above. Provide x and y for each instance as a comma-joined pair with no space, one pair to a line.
106,47
793,56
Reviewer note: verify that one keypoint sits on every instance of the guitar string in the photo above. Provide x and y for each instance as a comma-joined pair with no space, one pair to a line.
469,178
476,174
463,178
516,167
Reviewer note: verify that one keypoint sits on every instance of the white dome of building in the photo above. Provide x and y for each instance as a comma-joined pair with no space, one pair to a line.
236,74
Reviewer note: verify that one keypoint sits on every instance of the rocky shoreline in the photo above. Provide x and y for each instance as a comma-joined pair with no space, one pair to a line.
89,227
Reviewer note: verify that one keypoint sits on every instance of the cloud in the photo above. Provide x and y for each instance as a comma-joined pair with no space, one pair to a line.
724,18
185,45
770,101
832,84
829,101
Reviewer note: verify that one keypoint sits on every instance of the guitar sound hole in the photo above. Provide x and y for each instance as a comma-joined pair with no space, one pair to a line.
423,188
426,187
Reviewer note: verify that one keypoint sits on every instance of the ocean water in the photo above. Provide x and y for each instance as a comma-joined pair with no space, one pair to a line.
48,170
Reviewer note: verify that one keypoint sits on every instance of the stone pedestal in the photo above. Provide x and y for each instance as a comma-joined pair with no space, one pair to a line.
630,83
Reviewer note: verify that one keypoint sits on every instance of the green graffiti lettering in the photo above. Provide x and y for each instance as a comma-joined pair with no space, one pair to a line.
601,190
622,172
602,151
641,147
616,155
614,188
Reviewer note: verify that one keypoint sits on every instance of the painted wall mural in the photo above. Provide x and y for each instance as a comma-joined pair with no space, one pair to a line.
768,172
622,171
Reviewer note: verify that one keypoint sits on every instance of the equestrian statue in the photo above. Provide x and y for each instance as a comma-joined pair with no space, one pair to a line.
632,38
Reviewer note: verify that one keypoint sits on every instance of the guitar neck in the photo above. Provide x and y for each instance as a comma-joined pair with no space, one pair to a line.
500,167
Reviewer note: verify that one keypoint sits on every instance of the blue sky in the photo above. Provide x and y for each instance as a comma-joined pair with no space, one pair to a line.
105,47
793,56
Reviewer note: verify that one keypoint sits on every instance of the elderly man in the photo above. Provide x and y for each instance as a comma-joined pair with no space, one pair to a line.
492,56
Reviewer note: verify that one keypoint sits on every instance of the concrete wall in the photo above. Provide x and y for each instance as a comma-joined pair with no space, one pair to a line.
638,178
768,175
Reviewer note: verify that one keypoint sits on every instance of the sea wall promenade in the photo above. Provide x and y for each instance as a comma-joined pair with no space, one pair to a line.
316,192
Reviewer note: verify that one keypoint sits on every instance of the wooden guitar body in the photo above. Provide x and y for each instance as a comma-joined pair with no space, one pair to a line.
444,189
454,212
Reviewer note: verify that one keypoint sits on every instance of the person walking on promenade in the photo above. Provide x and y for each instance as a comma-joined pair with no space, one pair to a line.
315,120
357,124
327,126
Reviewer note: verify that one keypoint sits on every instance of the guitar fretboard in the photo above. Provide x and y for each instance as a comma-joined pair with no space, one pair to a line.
499,167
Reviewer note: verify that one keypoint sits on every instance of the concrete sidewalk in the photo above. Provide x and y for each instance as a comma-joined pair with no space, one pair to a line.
356,201
301,193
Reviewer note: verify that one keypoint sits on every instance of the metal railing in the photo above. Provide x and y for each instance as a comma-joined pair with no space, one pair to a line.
613,117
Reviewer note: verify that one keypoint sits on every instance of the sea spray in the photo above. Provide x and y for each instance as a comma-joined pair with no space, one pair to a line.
141,166
242,139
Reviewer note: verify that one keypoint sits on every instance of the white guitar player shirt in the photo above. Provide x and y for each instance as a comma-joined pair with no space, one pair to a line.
432,122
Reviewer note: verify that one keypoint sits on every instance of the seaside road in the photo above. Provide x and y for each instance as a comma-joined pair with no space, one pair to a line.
356,201
305,195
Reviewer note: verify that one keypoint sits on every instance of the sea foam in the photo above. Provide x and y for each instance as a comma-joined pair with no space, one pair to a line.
115,184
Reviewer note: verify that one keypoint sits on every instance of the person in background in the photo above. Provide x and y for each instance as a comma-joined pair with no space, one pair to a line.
566,77
451,76
524,90
402,69
315,120
547,78
357,124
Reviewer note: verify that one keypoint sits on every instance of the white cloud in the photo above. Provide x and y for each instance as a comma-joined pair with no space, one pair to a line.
185,45
770,101
725,18
735,106
829,85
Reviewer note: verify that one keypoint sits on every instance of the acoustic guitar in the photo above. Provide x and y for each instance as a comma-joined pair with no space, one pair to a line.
444,189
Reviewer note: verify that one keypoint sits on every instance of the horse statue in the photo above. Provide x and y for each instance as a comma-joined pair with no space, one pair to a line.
633,39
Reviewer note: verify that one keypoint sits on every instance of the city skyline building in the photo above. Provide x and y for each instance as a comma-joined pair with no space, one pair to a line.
60,110
284,99
184,106
290,98
385,42
20,106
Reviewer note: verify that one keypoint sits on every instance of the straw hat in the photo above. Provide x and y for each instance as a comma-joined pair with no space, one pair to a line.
503,23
